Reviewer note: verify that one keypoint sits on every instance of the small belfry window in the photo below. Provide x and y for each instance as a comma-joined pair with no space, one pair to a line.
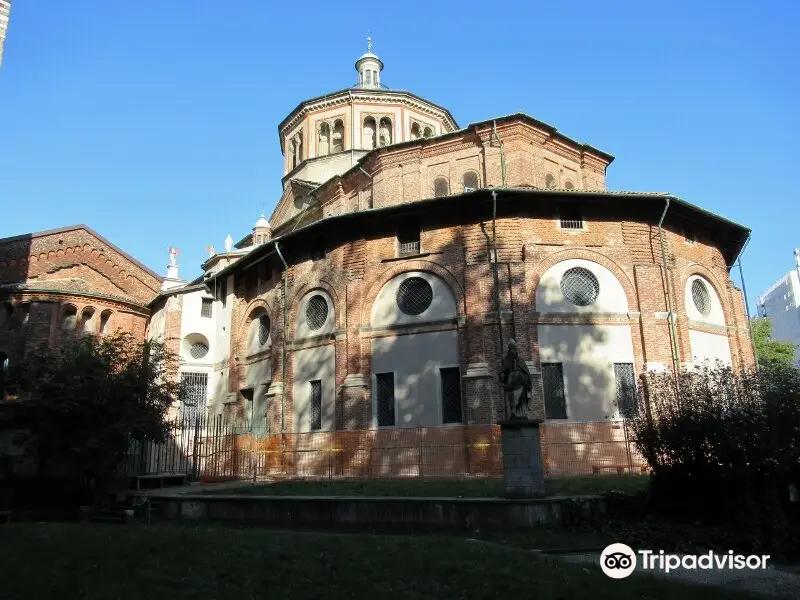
571,216
408,240
441,187
206,307
701,297
69,318
580,286
549,181
414,296
569,185
471,181
316,312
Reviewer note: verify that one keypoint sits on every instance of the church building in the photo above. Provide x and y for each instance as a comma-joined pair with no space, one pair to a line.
403,255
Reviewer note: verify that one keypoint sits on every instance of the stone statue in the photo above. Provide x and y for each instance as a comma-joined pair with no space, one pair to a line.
173,256
516,381
228,243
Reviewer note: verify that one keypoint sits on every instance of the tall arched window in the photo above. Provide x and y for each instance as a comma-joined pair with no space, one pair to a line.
368,134
297,150
87,320
549,181
324,139
416,133
428,132
471,181
105,317
385,132
338,136
441,187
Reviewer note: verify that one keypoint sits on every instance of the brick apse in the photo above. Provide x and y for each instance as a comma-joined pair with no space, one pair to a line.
359,330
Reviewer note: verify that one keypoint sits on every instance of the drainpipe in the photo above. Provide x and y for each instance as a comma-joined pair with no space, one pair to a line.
746,303
371,187
494,271
285,333
668,296
496,136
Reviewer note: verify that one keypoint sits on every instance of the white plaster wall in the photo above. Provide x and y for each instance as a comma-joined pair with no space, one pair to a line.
302,330
323,168
610,299
715,316
415,361
157,324
193,323
588,354
781,304
310,364
709,346
386,313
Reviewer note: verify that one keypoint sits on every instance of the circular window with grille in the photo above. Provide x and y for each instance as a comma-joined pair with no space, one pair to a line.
701,297
316,312
263,330
414,296
198,350
580,286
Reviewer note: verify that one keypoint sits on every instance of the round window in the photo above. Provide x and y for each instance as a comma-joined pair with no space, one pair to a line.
414,296
580,286
198,350
701,297
316,312
263,330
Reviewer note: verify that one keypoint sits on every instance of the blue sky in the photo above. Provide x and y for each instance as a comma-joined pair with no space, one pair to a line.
155,122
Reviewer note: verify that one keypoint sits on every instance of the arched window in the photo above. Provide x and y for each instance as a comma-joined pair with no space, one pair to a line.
368,134
297,150
195,347
385,132
105,317
338,136
549,181
416,133
428,132
441,187
87,320
569,185
471,181
69,318
315,315
258,336
324,139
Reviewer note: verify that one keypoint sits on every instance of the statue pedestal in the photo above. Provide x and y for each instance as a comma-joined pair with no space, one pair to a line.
523,471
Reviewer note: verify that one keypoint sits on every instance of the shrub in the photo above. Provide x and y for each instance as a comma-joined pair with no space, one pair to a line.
723,445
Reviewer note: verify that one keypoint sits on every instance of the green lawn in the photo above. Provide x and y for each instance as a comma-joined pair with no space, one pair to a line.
566,486
96,562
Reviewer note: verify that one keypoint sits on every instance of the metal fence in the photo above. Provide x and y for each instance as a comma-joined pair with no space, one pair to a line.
214,449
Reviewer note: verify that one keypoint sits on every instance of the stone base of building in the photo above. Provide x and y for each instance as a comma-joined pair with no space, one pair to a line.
523,468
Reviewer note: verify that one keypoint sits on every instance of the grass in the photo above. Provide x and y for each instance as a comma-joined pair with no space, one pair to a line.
96,562
467,488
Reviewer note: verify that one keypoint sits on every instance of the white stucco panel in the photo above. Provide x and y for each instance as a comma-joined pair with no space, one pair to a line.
709,346
415,361
587,354
314,364
610,299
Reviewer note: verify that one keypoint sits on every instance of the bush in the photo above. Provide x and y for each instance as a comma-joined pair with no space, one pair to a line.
723,446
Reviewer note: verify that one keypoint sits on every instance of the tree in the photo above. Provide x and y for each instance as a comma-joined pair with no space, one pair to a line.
89,398
769,351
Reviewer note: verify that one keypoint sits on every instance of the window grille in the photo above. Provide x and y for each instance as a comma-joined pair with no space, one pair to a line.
408,240
414,296
198,350
315,410
571,217
263,330
316,312
555,401
385,399
701,297
206,307
193,392
580,286
451,394
626,389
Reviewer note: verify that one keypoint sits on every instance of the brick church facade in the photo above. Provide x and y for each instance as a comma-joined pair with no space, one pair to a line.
403,255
